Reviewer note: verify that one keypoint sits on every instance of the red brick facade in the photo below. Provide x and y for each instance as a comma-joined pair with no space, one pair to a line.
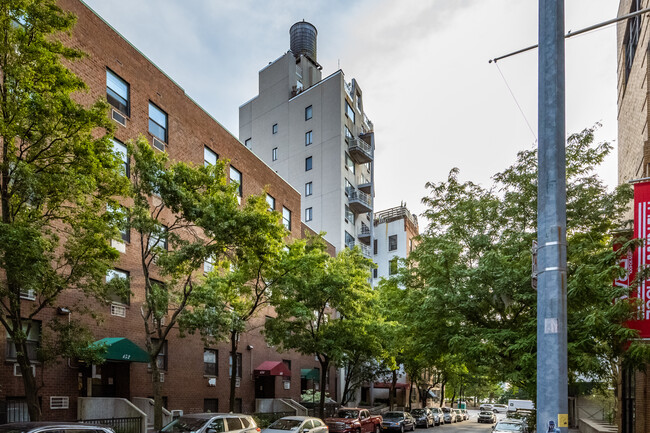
189,130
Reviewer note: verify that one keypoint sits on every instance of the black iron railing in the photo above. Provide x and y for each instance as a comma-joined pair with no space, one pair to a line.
120,425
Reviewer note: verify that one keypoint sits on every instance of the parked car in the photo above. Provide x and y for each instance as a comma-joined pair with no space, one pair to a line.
438,415
398,421
53,427
465,414
423,417
354,420
297,424
499,408
509,426
449,415
212,423
485,406
459,415
487,416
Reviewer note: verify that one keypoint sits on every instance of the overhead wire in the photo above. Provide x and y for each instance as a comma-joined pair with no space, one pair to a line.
516,101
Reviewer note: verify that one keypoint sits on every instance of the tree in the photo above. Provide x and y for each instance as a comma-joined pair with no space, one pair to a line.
474,266
321,304
239,287
185,216
57,175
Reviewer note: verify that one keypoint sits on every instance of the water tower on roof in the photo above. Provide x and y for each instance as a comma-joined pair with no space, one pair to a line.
303,39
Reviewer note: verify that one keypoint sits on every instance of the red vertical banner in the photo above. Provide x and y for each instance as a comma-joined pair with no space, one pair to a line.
641,257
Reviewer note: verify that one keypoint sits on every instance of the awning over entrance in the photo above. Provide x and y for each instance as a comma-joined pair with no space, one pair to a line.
121,349
310,373
272,368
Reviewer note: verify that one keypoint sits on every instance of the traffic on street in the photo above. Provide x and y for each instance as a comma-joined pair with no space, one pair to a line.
471,425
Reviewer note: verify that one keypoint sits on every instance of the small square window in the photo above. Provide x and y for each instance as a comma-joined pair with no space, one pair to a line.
308,138
308,163
209,157
392,243
274,154
308,214
117,92
308,189
308,113
157,122
275,128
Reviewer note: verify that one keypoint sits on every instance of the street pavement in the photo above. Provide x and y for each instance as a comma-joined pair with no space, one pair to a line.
468,426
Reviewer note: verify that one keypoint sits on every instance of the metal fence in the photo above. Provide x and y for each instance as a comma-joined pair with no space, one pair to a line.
120,425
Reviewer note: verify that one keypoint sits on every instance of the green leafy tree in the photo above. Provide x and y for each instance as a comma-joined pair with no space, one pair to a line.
474,268
57,175
184,216
239,287
321,304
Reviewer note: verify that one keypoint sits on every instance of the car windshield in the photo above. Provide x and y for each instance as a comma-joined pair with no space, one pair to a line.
393,415
445,409
509,426
285,424
486,413
418,412
348,414
185,424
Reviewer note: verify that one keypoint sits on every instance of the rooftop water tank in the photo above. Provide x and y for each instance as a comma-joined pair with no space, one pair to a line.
303,39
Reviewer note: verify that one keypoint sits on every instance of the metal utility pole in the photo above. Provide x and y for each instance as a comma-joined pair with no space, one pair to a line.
552,382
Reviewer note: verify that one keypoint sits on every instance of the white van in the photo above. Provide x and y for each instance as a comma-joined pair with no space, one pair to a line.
515,405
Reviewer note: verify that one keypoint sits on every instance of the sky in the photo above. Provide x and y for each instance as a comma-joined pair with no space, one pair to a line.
435,101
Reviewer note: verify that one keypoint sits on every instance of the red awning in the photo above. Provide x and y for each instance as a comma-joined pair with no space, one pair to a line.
272,368
388,385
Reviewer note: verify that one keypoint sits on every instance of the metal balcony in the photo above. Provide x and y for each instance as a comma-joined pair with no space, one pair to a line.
364,184
364,234
360,151
365,250
359,201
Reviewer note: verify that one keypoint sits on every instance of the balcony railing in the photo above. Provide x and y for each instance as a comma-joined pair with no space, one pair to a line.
360,151
360,202
365,250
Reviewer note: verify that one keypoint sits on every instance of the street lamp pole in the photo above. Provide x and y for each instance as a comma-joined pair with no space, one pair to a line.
552,382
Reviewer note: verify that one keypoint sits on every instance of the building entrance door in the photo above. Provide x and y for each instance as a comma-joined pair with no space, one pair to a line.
111,379
265,387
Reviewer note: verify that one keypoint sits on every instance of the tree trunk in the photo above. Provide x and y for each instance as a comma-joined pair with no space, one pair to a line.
157,394
29,381
235,369
410,395
324,365
442,393
392,390
453,397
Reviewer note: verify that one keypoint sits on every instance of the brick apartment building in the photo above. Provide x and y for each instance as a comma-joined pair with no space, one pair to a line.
633,44
196,378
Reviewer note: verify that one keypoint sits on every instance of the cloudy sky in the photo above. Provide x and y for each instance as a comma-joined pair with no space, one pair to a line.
435,101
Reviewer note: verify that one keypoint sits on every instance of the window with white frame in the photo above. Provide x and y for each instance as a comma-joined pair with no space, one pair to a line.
274,154
157,122
209,156
117,92
308,138
308,189
308,214
118,281
286,218
33,330
271,202
236,176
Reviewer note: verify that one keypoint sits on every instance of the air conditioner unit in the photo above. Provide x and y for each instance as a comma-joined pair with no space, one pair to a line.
118,117
162,377
118,310
158,144
237,382
59,402
17,371
27,294
177,413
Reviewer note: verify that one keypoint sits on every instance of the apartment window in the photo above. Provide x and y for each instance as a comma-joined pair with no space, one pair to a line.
121,151
349,164
158,239
349,240
117,294
238,367
308,214
349,111
308,163
274,154
162,358
359,102
270,200
157,122
348,187
392,266
17,409
286,218
308,138
274,129
211,405
210,365
117,92
392,242
374,273
632,34
33,341
248,142
348,134
308,113
209,157
308,189
374,246
349,215
235,176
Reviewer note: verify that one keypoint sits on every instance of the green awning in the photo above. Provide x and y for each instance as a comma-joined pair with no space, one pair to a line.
310,373
121,349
